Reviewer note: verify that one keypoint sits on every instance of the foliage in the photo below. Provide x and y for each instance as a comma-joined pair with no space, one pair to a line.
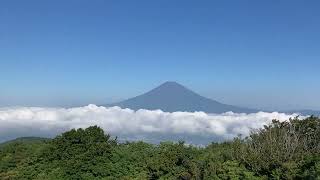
280,150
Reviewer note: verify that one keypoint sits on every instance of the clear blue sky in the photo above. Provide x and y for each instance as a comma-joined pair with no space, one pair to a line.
251,53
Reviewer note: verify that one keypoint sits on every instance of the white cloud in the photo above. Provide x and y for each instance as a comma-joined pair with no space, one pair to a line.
132,125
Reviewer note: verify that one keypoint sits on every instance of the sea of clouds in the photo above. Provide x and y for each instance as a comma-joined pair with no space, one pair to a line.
127,124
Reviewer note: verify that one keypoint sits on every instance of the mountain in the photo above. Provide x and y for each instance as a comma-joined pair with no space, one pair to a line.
171,97
25,140
305,112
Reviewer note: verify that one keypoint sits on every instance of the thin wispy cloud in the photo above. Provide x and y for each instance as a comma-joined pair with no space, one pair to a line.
132,125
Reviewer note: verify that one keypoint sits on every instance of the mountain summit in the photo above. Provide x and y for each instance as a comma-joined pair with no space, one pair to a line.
171,97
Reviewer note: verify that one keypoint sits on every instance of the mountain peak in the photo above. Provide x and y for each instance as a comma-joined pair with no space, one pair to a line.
170,89
172,96
171,84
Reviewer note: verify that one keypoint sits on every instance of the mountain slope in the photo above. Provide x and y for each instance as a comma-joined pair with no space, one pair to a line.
305,112
172,96
24,140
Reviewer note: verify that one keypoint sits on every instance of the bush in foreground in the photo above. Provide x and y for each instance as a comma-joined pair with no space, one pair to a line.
281,150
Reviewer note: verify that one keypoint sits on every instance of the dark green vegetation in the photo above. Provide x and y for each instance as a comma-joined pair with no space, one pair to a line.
22,140
281,150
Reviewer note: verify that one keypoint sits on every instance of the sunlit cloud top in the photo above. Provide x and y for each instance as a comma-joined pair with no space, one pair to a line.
132,125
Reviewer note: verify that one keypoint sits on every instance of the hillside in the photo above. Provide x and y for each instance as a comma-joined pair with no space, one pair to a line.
24,140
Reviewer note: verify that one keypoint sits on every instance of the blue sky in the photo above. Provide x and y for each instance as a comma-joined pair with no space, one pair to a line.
249,53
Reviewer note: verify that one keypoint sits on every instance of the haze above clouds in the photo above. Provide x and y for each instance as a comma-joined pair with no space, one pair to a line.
127,124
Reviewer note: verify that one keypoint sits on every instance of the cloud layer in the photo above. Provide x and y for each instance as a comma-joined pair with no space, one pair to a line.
194,127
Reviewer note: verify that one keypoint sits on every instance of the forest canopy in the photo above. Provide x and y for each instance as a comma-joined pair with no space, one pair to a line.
280,150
